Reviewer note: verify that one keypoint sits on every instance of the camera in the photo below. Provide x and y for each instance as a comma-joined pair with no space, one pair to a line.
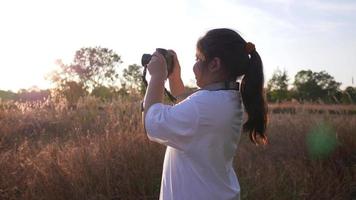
166,54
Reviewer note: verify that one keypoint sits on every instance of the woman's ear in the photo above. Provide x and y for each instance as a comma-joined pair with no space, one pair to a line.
214,65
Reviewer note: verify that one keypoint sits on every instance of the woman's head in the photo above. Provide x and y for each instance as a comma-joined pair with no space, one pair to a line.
222,55
228,47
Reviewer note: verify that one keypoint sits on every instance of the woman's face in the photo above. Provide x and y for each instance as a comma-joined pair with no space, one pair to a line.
198,70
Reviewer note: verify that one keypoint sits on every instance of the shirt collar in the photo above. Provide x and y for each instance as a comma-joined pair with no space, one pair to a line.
222,86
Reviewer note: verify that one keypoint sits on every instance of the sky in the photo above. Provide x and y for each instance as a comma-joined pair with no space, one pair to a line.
290,35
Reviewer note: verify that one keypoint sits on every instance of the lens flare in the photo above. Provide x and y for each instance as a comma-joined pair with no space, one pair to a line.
321,141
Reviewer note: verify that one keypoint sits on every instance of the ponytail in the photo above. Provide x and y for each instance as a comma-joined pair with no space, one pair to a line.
253,98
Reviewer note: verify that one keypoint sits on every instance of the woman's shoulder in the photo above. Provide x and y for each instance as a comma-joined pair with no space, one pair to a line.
213,99
198,95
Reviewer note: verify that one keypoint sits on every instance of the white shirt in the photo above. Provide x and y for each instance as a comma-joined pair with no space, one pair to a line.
201,134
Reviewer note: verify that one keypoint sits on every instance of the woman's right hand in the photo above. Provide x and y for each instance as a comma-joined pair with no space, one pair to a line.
157,67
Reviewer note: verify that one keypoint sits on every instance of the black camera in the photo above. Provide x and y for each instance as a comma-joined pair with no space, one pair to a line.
166,54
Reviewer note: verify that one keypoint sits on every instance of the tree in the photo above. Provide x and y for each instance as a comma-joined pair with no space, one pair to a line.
349,95
277,87
306,86
133,78
7,95
314,86
103,92
91,67
72,91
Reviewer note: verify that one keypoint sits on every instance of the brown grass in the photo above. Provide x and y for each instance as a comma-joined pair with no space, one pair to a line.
99,151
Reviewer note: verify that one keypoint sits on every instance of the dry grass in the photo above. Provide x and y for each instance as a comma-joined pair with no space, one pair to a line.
99,151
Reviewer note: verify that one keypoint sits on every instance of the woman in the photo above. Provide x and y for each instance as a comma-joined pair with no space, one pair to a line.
202,131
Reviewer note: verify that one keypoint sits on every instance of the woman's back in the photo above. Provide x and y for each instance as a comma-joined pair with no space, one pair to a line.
198,161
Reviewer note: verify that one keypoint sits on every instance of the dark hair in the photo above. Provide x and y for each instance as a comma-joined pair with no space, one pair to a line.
229,47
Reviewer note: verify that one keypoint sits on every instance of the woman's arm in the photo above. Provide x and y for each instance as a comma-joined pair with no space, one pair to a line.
157,68
154,92
175,81
177,87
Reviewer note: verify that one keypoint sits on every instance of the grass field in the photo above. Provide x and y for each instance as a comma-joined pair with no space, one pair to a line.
100,151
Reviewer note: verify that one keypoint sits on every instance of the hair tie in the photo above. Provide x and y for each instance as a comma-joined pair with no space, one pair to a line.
249,47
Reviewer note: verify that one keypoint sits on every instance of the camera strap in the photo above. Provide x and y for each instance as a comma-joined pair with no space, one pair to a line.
170,96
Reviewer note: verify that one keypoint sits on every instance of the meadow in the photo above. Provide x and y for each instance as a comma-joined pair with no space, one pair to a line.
99,151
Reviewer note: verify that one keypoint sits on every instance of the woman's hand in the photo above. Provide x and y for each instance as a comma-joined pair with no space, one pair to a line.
175,81
176,67
157,67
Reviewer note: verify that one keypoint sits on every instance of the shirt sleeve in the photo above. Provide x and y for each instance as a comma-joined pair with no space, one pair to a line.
173,126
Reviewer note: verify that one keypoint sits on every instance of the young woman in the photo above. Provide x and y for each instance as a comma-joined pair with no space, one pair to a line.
202,131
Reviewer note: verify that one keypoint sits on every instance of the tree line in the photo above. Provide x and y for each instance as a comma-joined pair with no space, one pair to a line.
308,86
94,71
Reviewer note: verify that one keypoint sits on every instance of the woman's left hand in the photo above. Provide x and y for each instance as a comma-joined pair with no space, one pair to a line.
157,67
176,66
